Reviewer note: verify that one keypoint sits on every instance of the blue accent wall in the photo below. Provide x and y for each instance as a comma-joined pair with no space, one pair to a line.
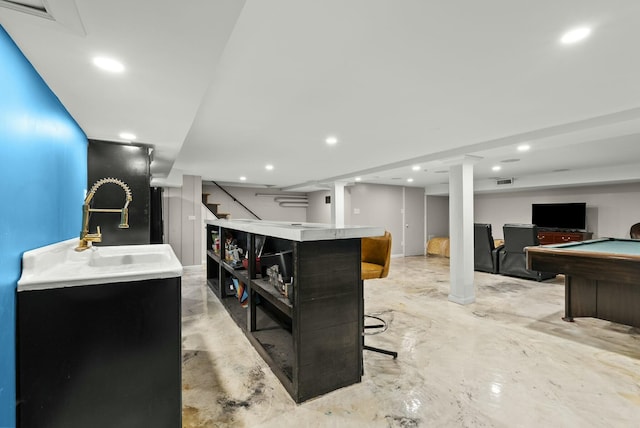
43,175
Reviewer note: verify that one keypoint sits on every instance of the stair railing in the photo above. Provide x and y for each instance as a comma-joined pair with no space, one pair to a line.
235,200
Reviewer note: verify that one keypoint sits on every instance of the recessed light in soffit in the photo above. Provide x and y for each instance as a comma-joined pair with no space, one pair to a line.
575,35
108,64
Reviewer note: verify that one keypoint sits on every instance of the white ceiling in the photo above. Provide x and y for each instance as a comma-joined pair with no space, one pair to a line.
221,88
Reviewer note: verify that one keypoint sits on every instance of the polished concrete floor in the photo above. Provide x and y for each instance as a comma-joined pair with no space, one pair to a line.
507,360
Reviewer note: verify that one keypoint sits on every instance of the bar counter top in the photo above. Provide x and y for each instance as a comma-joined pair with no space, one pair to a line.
298,231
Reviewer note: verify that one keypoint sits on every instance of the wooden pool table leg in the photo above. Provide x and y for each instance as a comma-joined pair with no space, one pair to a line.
568,316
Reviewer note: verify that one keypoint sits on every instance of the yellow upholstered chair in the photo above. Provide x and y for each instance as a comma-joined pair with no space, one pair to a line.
635,231
438,246
376,257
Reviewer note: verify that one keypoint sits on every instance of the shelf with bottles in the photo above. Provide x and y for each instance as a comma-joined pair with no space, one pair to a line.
311,338
267,291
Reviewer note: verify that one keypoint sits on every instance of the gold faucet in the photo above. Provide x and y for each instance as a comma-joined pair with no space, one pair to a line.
85,236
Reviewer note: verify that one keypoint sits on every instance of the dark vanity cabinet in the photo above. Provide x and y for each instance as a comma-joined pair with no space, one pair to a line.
312,340
105,355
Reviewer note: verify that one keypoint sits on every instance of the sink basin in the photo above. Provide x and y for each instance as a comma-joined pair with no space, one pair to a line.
59,265
99,259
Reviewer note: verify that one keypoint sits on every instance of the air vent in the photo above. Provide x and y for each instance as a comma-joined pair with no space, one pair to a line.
33,7
503,181
64,13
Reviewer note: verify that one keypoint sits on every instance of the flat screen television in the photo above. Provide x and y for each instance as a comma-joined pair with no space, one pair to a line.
567,216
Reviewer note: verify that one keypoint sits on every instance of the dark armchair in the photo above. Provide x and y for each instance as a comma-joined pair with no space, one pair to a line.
485,254
512,259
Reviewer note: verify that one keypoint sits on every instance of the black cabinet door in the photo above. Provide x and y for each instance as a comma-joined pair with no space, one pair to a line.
100,356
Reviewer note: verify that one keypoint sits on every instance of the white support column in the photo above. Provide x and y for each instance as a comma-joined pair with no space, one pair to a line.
337,204
461,231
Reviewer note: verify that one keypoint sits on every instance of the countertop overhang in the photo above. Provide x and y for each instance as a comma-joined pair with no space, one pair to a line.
299,231
59,265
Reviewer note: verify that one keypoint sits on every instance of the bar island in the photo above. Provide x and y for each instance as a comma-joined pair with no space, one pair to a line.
307,327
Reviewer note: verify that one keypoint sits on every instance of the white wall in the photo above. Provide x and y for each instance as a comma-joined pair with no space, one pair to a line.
206,215
414,221
437,216
183,220
611,209
264,207
378,205
319,211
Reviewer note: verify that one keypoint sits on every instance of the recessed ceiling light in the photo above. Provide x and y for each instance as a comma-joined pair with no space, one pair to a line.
331,140
243,178
358,179
269,167
127,136
575,35
496,168
416,167
523,147
108,64
409,180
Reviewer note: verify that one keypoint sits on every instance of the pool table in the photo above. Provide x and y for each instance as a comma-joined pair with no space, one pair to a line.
602,277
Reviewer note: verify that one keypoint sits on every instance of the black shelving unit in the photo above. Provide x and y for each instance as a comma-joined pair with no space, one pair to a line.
312,342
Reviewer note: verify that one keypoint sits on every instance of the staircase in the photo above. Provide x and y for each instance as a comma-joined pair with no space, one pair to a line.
213,207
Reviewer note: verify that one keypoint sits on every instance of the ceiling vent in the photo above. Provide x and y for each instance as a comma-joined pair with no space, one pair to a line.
503,181
64,12
32,7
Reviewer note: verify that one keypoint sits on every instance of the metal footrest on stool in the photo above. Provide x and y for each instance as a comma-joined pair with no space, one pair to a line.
383,327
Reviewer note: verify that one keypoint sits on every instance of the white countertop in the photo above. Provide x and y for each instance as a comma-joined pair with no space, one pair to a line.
299,231
59,265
